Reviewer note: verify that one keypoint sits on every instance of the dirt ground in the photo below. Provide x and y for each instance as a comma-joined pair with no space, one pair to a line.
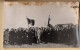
41,45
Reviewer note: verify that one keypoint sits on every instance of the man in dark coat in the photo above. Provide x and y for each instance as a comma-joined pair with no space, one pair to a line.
6,36
19,36
26,36
16,36
30,38
11,37
23,36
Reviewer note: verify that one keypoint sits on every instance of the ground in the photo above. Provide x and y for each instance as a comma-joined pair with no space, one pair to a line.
41,45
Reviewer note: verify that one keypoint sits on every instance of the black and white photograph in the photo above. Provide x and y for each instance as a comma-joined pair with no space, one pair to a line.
41,25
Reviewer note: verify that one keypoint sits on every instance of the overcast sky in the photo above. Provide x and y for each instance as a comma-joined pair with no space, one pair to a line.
60,13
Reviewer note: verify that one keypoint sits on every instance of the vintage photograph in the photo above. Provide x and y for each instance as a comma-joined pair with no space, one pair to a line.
41,25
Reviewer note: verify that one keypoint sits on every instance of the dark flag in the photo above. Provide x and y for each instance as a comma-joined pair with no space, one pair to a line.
49,20
31,21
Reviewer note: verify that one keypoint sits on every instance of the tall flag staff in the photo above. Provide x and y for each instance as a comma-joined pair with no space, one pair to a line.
27,21
49,20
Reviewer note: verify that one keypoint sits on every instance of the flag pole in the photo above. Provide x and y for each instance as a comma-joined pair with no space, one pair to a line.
48,19
28,26
28,23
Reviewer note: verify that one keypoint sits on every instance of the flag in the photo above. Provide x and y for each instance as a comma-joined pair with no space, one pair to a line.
31,21
49,20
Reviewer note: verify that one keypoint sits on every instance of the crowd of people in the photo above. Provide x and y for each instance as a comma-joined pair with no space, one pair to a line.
26,36
36,35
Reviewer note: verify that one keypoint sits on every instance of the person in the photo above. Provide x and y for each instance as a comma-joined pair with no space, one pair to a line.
26,36
33,35
6,36
38,34
45,35
30,37
19,36
41,36
23,31
48,34
11,36
16,36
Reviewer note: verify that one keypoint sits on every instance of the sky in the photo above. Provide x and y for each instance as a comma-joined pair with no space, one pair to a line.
60,13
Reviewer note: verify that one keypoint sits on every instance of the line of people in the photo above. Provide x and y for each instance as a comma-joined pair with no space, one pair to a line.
28,36
38,35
